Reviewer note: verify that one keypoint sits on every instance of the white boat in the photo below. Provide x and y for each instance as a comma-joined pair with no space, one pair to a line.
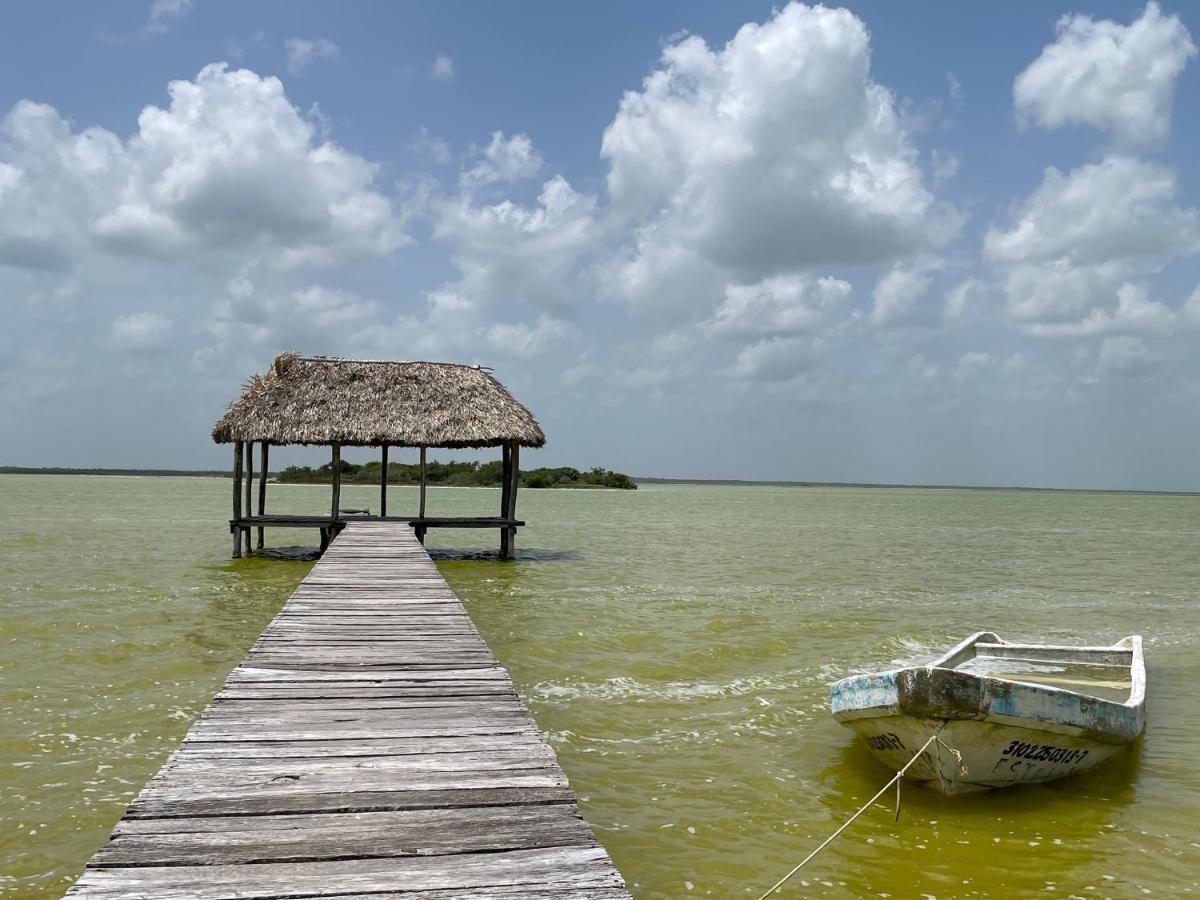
1003,713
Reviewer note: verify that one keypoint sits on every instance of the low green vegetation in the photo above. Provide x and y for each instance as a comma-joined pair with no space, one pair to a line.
459,474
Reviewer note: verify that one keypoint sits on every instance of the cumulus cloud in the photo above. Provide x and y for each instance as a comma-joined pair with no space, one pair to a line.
1081,235
971,364
1120,78
522,340
430,146
510,251
144,331
776,359
1135,313
773,153
1125,357
303,52
229,167
963,299
442,68
53,182
165,15
899,292
447,327
504,159
779,305
275,312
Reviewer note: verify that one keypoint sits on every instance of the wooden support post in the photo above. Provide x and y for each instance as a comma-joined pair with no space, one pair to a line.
508,534
237,499
383,475
337,481
262,491
249,447
421,509
506,465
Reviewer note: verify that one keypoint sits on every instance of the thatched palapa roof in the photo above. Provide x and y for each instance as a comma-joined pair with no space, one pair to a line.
356,402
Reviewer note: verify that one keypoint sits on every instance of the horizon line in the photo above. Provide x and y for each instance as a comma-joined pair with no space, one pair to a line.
640,479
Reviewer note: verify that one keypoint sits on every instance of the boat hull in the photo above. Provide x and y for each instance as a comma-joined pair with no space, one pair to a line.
992,732
974,755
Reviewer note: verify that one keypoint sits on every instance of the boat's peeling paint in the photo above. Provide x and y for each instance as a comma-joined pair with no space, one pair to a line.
1007,731
865,694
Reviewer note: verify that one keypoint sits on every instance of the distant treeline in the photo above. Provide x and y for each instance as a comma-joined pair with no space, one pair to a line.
459,474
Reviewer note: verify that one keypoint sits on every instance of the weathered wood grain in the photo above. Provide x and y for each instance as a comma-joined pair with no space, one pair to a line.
369,745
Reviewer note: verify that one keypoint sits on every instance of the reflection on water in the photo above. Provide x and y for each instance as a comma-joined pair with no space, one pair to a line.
307,553
522,555
676,643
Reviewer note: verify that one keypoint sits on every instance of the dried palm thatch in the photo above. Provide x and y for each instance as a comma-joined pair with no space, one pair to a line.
326,400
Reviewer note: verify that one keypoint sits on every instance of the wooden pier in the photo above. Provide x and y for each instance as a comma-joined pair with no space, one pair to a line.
370,745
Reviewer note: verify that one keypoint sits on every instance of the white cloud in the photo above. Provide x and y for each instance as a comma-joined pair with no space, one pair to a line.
508,251
1120,78
1135,313
303,52
1079,237
527,341
779,305
229,168
899,292
504,159
165,15
144,331
442,68
53,183
963,299
777,359
771,154
1118,208
1125,357
447,328
1191,309
943,166
970,364
279,314
430,146
953,86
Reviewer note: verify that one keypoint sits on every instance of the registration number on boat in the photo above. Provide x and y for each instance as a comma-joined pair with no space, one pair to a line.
886,741
1044,752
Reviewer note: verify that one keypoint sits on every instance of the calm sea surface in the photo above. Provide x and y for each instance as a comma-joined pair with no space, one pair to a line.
676,644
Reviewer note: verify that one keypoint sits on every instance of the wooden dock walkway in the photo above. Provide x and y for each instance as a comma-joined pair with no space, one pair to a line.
370,745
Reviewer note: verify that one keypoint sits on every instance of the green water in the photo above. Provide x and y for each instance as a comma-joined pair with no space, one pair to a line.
674,642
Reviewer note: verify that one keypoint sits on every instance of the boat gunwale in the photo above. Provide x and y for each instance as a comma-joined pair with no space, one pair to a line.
889,680
1131,643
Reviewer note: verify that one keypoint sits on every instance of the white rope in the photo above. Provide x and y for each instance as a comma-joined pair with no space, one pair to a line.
895,779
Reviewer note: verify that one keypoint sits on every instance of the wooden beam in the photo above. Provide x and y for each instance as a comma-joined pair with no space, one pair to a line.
262,491
237,498
383,476
336,500
249,447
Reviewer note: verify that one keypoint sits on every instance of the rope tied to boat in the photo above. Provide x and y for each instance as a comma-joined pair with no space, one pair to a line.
895,779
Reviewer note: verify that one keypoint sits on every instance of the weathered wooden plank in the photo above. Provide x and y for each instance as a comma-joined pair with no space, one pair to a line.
368,745
348,802
577,867
337,747
309,838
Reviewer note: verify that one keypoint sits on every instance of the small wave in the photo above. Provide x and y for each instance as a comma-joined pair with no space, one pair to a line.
626,688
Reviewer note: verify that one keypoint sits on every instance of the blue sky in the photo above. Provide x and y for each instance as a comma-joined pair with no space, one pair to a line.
918,243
